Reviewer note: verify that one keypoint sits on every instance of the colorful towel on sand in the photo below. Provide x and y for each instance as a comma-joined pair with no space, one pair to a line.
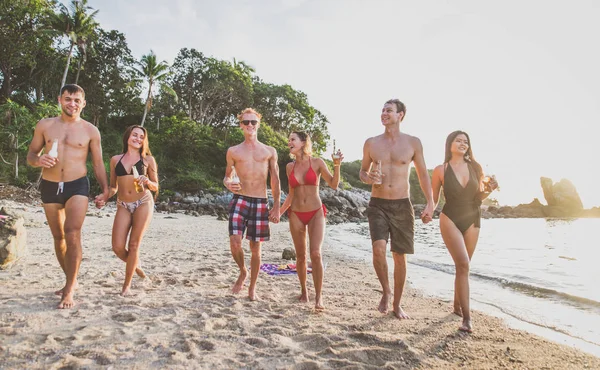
275,269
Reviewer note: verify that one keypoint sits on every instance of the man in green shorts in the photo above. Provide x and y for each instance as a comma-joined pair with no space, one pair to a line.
390,211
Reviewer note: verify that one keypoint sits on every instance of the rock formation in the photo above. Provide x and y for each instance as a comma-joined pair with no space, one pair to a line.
13,239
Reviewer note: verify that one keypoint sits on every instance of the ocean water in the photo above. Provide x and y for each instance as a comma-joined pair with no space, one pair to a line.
541,275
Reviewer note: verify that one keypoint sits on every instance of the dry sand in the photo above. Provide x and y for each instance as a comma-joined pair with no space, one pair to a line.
184,315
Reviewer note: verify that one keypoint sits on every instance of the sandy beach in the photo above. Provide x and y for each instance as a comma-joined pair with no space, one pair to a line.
183,315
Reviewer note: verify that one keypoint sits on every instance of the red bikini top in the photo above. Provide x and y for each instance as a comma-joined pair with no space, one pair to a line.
309,179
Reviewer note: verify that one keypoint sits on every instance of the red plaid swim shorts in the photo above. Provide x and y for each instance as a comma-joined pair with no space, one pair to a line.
251,214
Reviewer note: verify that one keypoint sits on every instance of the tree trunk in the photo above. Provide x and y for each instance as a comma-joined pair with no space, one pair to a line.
17,156
145,113
64,78
147,103
78,70
158,124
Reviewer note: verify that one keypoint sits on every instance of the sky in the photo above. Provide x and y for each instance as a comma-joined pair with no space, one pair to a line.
522,78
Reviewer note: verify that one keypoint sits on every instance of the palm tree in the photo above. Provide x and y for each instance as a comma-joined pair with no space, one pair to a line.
78,25
154,72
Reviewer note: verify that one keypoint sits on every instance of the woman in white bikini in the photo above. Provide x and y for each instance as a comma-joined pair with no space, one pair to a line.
135,204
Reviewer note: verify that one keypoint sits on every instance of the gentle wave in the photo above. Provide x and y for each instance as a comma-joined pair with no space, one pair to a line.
524,288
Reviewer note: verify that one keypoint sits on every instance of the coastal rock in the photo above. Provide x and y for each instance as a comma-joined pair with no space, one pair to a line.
288,254
534,209
562,195
13,239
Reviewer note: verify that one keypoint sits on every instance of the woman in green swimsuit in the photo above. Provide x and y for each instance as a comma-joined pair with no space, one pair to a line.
461,177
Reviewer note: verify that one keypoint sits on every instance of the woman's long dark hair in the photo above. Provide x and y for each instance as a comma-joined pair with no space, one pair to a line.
468,155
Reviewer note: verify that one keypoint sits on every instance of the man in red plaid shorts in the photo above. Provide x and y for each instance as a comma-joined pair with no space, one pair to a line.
253,161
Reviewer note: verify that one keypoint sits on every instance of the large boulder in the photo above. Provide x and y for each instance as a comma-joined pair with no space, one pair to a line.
561,195
13,239
535,209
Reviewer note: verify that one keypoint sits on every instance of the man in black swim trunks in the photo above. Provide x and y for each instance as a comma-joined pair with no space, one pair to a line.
390,211
65,186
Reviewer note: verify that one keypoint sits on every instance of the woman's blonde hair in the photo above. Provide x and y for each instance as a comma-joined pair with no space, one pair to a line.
304,137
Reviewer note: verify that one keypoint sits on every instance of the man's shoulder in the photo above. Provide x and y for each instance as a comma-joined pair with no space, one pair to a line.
412,139
45,122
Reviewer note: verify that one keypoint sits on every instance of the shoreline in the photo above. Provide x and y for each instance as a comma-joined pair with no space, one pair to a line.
184,315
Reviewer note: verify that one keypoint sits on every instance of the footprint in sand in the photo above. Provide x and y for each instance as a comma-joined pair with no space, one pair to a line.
258,342
124,317
313,342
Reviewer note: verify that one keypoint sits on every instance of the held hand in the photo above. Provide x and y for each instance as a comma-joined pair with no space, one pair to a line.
47,161
274,215
100,200
427,214
143,180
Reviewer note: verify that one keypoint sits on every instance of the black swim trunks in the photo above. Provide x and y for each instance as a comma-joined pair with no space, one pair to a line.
392,219
61,192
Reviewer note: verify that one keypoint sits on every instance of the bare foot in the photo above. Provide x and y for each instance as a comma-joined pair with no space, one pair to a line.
66,301
319,304
466,326
140,272
303,297
252,295
457,310
60,291
384,303
126,292
239,284
400,314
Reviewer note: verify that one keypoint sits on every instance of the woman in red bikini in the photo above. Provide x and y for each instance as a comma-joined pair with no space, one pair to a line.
307,212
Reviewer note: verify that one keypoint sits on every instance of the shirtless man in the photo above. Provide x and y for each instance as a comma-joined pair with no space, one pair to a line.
390,211
249,212
65,186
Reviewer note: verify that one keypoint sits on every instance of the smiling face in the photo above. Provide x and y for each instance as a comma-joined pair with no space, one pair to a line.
390,114
250,123
71,104
295,144
460,145
136,138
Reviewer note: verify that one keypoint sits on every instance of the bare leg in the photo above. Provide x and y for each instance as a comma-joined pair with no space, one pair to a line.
75,210
254,269
55,215
381,269
235,244
316,232
399,281
120,231
298,231
455,244
141,220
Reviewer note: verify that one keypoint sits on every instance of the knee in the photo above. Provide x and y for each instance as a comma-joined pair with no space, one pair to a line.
72,233
118,248
378,253
59,238
462,267
134,246
235,243
315,256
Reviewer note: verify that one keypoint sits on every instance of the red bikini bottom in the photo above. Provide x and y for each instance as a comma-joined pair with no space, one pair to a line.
305,217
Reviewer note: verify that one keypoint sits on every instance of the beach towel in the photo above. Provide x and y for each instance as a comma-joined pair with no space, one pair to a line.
286,269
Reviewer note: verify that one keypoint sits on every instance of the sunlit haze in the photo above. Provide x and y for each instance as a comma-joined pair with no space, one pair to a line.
521,77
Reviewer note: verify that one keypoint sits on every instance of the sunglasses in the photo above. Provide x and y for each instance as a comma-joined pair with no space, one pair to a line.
247,122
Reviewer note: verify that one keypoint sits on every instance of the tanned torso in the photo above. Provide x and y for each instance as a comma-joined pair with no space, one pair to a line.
251,163
396,155
73,147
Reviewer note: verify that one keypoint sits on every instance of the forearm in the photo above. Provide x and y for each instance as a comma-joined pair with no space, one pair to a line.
364,177
286,204
335,181
33,159
101,177
112,190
